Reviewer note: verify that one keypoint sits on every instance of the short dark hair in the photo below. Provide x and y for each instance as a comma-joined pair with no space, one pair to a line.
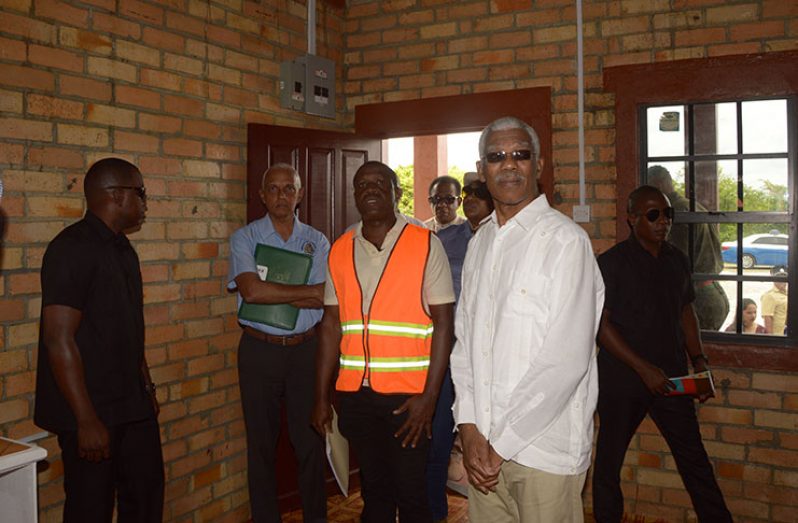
382,167
105,172
445,179
644,191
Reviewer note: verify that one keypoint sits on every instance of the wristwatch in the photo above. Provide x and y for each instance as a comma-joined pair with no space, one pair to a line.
695,358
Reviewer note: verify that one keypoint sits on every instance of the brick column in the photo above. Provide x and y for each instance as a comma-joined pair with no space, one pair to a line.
429,162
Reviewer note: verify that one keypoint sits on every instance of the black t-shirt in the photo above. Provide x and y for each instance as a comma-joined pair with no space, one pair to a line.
645,296
89,268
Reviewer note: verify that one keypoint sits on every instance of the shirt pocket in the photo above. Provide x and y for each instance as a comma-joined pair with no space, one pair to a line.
524,319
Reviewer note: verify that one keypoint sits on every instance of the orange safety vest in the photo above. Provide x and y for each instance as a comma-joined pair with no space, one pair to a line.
391,344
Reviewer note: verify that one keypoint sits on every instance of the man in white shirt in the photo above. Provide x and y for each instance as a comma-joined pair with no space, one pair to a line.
524,365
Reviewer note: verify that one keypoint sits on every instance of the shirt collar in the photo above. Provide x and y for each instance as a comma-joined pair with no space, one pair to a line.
268,226
393,232
529,215
105,232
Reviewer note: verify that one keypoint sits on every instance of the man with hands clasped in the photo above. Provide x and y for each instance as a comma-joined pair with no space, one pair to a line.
524,364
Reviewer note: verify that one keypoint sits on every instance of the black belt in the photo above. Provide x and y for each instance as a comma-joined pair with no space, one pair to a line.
285,341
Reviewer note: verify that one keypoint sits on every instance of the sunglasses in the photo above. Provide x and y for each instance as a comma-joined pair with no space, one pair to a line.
500,156
141,192
653,214
480,192
448,200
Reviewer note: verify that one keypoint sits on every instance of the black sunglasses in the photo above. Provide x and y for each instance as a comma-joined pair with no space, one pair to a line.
141,192
448,200
653,214
480,191
500,156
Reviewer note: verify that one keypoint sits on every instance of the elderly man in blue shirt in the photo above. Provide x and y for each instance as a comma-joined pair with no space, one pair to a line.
275,364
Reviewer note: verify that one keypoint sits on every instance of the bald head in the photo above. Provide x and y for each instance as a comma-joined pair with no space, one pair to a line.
106,173
659,177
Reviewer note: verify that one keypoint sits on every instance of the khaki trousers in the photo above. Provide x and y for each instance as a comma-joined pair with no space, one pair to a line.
529,495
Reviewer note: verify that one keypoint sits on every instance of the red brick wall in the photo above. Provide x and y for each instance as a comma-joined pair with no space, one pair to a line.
409,49
170,85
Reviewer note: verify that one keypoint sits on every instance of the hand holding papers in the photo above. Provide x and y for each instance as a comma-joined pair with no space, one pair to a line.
698,384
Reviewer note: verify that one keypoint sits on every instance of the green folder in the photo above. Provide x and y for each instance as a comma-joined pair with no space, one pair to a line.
279,266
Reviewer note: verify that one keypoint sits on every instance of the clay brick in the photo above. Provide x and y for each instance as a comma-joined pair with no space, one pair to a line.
202,129
98,66
775,382
161,124
28,28
26,77
222,152
61,11
110,115
732,14
13,410
126,141
55,58
183,105
138,53
554,34
54,107
80,135
182,147
11,153
146,12
702,36
55,207
21,129
775,419
84,88
113,24
12,50
757,30
128,95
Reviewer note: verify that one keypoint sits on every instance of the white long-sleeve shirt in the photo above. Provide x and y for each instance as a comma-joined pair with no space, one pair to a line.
524,366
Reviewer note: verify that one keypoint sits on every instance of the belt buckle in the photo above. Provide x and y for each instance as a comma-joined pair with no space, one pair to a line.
284,341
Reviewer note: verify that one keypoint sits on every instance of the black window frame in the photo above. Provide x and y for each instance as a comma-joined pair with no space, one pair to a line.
789,217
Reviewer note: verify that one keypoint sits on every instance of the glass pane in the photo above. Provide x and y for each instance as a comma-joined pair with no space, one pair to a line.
715,128
707,185
765,185
764,246
666,131
765,126
727,186
668,177
771,300
730,290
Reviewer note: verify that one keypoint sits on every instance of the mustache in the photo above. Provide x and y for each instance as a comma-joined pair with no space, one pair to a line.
508,176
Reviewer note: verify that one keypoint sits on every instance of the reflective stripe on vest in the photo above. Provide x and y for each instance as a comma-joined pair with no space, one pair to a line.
391,345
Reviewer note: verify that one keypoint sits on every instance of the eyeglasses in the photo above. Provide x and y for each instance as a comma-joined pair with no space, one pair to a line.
448,200
500,156
141,192
480,191
652,215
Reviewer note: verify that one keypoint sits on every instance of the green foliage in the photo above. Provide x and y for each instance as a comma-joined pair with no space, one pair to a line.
405,174
771,197
406,182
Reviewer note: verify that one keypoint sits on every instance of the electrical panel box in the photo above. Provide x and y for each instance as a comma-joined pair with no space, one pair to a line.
292,85
319,84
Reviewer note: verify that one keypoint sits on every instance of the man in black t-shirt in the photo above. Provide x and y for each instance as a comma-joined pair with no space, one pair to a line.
647,330
93,388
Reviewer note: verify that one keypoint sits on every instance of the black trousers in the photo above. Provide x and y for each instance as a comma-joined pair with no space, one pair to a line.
134,475
268,374
620,413
391,477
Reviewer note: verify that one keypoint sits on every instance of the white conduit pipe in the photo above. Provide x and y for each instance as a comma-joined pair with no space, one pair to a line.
580,81
312,27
